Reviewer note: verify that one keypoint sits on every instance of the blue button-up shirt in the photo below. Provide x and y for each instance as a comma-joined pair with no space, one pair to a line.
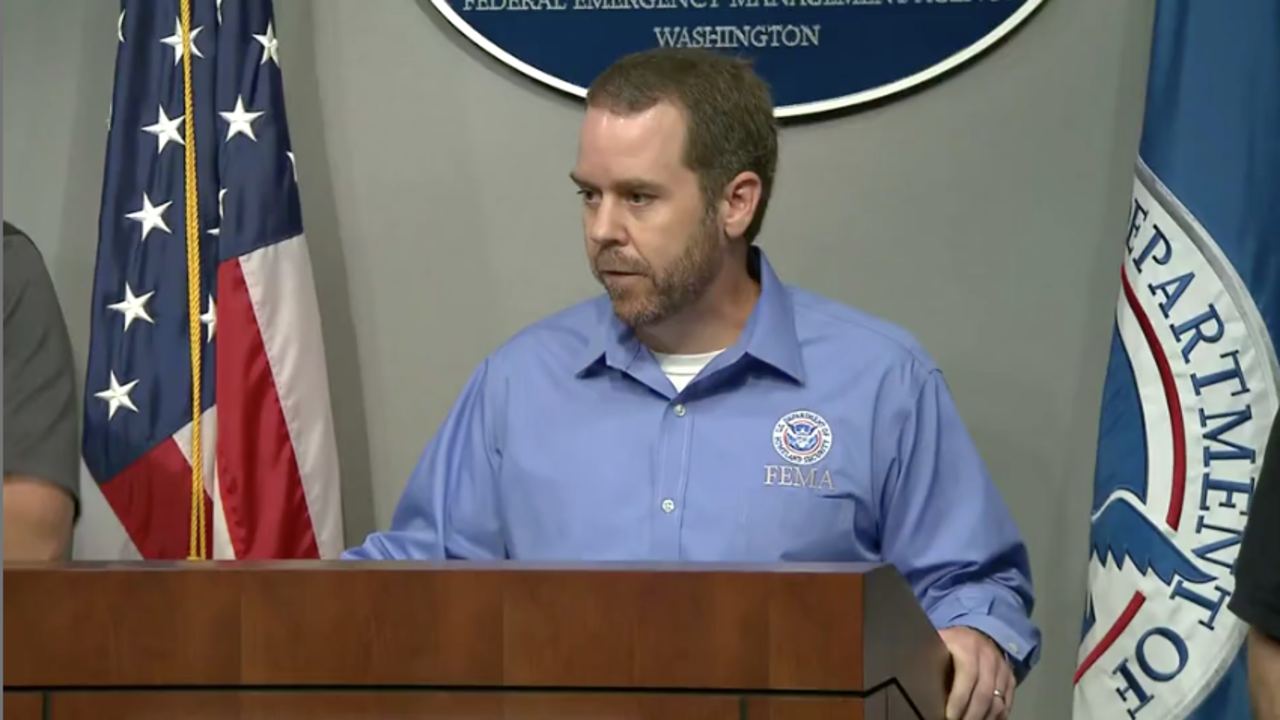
823,434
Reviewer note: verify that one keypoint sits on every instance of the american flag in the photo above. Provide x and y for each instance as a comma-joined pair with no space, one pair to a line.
268,481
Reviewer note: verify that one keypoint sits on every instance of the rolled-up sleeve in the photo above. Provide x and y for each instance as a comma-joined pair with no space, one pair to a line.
949,532
449,508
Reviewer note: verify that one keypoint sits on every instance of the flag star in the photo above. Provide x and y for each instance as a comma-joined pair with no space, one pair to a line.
120,27
166,130
210,318
117,396
175,41
293,160
151,216
240,120
218,230
133,307
270,46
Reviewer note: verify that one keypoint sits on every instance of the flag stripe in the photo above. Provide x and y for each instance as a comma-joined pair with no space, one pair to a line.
280,282
261,488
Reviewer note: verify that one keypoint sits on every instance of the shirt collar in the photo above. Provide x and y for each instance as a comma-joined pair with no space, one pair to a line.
769,335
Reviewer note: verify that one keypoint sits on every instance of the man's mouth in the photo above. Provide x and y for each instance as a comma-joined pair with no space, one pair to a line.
621,279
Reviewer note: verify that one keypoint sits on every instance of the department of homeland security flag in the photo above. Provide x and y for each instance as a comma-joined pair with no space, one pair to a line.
1191,383
228,286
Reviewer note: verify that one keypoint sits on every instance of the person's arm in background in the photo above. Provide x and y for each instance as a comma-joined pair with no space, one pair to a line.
41,448
948,531
1264,674
1257,595
449,509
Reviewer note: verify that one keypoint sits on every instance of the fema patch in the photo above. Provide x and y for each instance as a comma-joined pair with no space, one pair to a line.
802,437
1190,390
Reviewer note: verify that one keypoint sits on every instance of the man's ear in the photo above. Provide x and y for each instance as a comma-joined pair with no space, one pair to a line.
739,203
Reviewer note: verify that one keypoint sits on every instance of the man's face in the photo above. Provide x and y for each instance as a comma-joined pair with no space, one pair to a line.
650,240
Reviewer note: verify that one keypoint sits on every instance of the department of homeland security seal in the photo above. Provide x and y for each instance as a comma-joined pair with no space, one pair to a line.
817,56
1189,395
802,437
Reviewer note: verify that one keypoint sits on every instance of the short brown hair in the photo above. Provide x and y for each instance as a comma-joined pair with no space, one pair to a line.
729,121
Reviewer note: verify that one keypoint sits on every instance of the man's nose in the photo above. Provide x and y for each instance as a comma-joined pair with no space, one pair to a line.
604,223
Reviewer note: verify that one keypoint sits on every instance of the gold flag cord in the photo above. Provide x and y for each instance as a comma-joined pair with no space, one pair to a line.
196,551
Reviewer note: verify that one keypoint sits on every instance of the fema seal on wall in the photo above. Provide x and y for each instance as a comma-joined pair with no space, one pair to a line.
802,437
816,55
1190,392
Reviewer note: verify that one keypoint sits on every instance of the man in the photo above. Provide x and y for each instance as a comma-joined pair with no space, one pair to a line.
1257,596
700,410
41,454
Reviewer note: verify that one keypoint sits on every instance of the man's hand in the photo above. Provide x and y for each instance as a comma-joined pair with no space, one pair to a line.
980,672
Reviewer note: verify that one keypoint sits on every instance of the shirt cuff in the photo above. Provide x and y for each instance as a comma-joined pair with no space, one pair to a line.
1007,626
1005,639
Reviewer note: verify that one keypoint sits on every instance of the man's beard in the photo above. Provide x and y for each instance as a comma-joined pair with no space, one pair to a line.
656,296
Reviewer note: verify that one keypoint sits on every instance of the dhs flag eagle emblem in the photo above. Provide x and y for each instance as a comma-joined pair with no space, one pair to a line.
1191,382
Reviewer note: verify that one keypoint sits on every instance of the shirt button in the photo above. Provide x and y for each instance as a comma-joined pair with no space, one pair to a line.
668,505
679,410
1013,647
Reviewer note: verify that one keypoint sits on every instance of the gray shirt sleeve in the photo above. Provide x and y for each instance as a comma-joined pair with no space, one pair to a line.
41,423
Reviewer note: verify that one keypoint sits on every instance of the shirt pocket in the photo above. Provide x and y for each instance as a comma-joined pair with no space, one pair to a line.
799,515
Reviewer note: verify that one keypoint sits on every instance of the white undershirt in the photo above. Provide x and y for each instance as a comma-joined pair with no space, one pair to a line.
683,368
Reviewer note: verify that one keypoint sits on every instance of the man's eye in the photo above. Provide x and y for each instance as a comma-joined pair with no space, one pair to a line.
639,198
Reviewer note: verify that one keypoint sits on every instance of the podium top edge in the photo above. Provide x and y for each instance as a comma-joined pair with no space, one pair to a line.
443,566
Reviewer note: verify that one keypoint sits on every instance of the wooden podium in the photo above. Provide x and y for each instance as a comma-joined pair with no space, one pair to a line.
466,641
